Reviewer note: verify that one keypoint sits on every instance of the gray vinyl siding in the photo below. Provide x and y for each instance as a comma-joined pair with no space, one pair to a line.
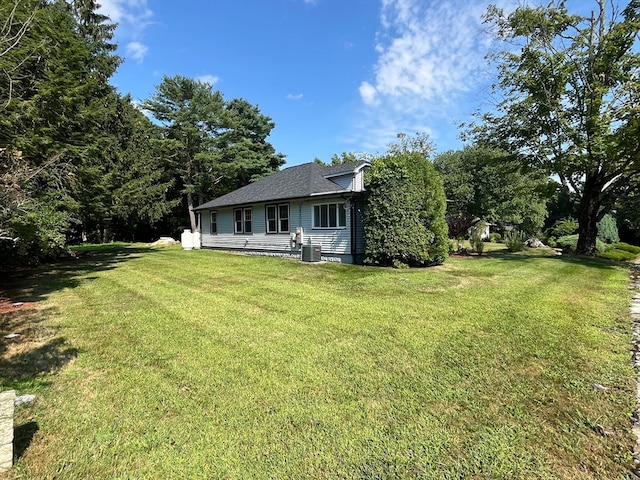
257,240
335,243
345,181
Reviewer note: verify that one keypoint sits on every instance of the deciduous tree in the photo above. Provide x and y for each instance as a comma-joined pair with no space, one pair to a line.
570,93
489,184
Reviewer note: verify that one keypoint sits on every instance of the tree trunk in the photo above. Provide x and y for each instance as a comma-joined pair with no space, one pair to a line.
587,224
192,214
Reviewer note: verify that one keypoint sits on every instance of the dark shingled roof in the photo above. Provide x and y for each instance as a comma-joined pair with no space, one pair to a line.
294,182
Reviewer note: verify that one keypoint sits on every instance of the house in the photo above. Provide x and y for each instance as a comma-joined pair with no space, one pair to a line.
308,204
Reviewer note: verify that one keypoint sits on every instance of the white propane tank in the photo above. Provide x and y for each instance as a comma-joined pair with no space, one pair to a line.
187,239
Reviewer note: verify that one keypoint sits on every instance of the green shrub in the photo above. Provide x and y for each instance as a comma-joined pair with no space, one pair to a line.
564,227
569,242
608,229
404,212
627,248
617,255
40,232
495,237
477,244
514,240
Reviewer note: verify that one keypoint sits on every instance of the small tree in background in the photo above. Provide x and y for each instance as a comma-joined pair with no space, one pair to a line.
404,213
608,229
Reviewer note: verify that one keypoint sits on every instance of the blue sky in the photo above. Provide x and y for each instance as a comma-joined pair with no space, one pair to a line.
334,75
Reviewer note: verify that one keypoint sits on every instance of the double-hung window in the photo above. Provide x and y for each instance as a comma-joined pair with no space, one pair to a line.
277,218
329,215
243,222
214,223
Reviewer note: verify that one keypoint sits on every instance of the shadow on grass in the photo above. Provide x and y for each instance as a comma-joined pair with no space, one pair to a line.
528,257
22,438
29,348
34,284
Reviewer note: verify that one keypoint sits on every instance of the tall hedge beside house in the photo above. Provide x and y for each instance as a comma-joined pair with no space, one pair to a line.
404,214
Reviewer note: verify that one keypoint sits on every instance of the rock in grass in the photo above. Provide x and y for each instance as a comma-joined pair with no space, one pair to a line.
26,398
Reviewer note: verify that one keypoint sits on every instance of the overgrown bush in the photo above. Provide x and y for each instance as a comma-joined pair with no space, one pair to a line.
608,229
495,237
40,236
514,240
404,220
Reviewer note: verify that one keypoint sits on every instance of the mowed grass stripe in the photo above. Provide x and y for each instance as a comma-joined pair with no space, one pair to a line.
211,365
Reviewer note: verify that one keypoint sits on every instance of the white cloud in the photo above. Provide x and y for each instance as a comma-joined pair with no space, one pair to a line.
136,50
430,56
294,96
131,12
368,93
132,17
210,79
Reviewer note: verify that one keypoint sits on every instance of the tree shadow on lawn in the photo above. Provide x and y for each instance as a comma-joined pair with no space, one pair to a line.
506,256
29,348
35,284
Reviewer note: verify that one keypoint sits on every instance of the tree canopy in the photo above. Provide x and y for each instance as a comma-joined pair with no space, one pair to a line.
569,89
81,162
489,184
208,140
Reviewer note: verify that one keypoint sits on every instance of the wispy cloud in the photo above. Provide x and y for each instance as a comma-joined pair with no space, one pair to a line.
430,55
132,17
136,50
210,79
294,96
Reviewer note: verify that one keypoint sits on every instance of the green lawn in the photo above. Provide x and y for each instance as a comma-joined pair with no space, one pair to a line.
161,363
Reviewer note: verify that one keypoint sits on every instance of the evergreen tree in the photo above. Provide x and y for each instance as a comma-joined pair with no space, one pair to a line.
207,140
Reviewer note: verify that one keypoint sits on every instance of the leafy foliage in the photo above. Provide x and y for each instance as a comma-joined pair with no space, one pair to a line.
475,239
617,255
564,227
404,212
627,248
40,231
475,186
569,90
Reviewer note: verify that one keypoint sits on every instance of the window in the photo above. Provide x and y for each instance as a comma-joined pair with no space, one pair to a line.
242,220
283,215
330,215
214,223
277,218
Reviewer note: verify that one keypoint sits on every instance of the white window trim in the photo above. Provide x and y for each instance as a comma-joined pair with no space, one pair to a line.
278,218
337,227
213,214
243,216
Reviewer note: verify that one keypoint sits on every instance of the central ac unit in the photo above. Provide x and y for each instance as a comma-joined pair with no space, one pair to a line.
311,253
